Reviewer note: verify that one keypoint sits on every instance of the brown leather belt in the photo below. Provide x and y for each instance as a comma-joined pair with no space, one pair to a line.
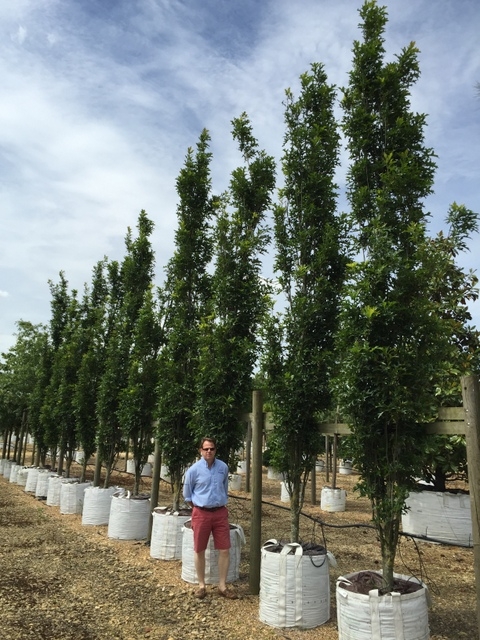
208,508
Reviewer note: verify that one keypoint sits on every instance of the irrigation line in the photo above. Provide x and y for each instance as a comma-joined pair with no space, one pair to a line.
360,525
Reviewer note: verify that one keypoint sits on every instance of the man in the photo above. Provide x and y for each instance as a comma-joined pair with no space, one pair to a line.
206,490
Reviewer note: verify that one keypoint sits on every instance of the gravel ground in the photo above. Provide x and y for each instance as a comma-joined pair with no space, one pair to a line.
64,581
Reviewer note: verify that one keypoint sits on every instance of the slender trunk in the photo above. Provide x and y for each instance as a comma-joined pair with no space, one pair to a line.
138,476
440,480
388,533
108,471
295,507
98,469
61,456
83,472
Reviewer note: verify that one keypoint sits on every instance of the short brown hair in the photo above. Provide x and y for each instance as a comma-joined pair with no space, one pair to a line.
207,439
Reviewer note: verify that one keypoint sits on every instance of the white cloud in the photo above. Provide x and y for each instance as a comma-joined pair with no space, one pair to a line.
99,106
20,35
4,294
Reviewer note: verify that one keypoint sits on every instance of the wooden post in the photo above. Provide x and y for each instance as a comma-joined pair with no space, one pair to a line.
256,527
327,459
313,486
471,404
157,464
334,461
248,457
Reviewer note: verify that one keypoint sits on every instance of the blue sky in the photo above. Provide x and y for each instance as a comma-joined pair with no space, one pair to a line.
101,99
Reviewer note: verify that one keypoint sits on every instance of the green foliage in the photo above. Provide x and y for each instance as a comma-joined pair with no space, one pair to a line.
452,289
310,265
393,341
56,410
120,395
138,400
91,344
184,298
20,370
228,332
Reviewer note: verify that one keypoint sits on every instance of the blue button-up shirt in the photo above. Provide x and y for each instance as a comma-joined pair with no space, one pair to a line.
206,486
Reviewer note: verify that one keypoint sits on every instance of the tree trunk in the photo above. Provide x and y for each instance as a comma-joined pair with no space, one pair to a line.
388,533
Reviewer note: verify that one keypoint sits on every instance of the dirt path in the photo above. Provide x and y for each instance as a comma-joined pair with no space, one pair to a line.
64,581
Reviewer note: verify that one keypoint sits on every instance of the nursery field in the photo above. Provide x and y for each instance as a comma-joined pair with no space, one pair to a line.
65,581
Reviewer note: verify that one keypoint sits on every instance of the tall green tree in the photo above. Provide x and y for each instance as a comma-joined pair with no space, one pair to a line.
310,263
36,425
19,370
109,439
54,410
91,345
392,339
229,342
184,298
138,400
129,288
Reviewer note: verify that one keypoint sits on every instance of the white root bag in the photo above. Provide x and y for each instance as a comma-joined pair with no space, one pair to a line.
237,538
44,475
32,478
284,493
7,465
388,617
242,467
72,496
129,517
332,500
54,487
145,470
97,504
14,472
167,535
444,516
294,588
234,482
273,474
22,476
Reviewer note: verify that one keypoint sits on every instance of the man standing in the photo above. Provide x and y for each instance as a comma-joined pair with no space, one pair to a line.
206,490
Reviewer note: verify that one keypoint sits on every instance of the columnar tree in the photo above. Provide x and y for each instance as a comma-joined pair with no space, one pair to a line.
51,413
229,332
310,266
91,345
109,440
19,370
36,426
184,298
138,400
65,368
131,286
392,338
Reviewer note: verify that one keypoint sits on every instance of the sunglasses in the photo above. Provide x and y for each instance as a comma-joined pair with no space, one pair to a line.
208,449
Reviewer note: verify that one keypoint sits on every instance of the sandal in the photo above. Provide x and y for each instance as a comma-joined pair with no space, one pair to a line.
228,593
200,593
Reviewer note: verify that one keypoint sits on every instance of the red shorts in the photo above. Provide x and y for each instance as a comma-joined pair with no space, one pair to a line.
205,523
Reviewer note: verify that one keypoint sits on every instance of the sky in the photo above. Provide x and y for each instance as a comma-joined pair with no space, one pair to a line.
102,98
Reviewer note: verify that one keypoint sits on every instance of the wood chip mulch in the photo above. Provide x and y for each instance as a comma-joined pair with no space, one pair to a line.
62,580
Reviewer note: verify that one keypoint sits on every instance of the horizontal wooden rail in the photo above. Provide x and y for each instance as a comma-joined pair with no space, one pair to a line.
451,421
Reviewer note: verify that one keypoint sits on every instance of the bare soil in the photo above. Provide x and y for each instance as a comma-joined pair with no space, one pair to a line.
62,580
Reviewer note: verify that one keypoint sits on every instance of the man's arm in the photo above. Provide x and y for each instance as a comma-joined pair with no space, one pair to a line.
188,487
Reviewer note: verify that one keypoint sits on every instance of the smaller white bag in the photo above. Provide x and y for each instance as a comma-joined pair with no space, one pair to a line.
72,496
129,517
97,504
